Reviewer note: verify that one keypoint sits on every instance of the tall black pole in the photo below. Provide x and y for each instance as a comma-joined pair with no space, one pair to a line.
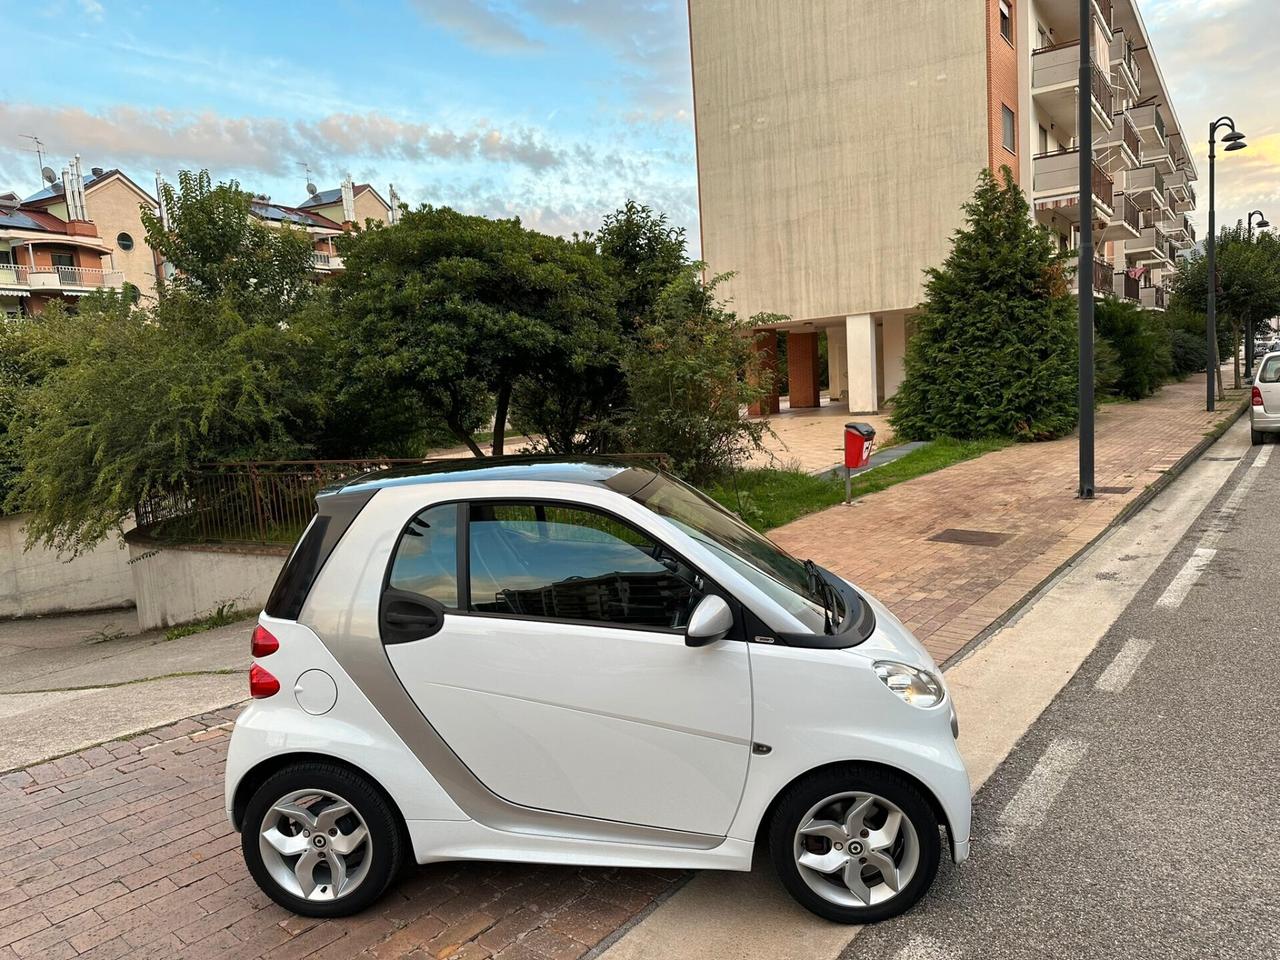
1211,315
1084,273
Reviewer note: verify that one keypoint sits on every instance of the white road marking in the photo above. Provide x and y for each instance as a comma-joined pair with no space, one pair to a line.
1199,560
1030,805
1121,670
923,948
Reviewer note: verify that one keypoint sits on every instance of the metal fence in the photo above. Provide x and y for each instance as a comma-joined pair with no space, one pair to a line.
258,502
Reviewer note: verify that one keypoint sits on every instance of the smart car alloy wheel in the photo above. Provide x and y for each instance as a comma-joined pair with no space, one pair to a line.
315,845
856,849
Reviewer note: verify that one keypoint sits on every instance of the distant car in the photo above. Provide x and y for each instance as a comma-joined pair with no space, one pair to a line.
582,662
1264,409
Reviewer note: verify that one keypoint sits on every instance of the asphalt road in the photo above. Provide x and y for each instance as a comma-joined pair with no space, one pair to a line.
1137,818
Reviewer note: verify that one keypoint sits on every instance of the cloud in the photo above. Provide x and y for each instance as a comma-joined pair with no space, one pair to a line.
480,23
92,9
269,144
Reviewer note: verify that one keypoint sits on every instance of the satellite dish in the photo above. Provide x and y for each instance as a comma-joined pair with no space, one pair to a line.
49,175
311,188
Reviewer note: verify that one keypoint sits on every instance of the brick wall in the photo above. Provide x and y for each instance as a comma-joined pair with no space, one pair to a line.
803,369
1002,88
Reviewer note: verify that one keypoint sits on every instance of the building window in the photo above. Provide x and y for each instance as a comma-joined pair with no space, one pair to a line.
62,259
1044,140
124,241
1009,131
1006,21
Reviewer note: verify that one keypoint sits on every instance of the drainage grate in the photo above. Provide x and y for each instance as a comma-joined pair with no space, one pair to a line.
1221,459
1112,489
973,538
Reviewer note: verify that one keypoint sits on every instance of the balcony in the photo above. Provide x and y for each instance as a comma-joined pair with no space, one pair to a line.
1055,72
1056,185
1151,297
1151,245
1120,147
326,262
1156,154
1146,186
58,279
1129,287
1125,70
1102,280
1150,124
1125,222
1181,190
1181,232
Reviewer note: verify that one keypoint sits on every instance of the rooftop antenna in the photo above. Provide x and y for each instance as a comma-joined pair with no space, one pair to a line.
46,172
306,168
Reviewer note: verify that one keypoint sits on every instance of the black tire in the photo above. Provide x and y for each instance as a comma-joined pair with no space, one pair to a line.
800,798
1257,436
387,844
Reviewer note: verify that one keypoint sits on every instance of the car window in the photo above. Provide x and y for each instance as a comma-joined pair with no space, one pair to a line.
426,558
567,563
1270,372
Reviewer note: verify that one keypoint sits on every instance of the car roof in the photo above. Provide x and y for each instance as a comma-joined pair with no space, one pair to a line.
626,476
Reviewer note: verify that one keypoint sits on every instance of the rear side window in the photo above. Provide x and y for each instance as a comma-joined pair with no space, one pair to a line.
426,560
545,561
1270,372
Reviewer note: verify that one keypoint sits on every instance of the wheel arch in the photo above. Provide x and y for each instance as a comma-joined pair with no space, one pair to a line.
762,828
258,774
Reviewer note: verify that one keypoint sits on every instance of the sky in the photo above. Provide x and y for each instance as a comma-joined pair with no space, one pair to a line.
555,111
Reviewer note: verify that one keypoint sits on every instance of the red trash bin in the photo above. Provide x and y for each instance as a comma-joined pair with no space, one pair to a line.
858,440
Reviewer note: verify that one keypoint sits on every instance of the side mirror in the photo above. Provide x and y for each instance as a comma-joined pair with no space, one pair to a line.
711,621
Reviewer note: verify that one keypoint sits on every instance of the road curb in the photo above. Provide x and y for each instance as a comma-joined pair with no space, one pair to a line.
1126,513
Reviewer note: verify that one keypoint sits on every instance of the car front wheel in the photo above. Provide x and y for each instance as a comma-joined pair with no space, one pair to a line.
321,840
855,844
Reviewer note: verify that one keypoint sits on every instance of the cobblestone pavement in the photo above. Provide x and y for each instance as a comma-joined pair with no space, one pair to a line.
123,851
948,593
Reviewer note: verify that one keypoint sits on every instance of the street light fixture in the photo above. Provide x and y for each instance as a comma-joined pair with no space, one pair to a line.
1234,141
1248,334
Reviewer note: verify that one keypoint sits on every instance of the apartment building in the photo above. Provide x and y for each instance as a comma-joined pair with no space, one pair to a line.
327,214
837,140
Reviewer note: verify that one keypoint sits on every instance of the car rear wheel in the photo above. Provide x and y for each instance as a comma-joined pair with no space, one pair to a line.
855,844
321,840
1256,436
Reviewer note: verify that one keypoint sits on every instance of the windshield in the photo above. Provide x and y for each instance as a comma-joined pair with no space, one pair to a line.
774,571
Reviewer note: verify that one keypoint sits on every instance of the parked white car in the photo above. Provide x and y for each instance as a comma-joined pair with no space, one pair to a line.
1264,406
582,662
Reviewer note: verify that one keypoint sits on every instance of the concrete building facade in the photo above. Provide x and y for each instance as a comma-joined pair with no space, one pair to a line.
837,140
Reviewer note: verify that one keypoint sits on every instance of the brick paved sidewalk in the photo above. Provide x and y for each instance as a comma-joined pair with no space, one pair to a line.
123,850
948,593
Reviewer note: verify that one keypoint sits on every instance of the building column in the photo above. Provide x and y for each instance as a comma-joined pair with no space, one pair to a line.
837,363
765,346
860,353
894,339
803,369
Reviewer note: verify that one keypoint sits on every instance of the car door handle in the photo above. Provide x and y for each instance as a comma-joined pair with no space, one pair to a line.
412,619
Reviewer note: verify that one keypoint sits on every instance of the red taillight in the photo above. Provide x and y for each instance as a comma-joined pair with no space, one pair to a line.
263,642
261,683
1257,397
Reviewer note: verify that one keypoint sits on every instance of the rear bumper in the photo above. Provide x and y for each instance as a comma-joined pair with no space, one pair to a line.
1264,422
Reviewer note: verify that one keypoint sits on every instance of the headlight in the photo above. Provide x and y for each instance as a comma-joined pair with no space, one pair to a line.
917,687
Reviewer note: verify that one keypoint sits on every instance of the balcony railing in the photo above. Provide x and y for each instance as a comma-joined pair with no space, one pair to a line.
1143,180
1151,297
1148,118
1127,212
1123,133
1103,276
1123,57
1059,63
58,278
1059,172
1129,287
326,261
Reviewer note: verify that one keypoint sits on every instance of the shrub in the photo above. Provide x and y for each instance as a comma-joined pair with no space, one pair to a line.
1141,344
994,354
685,378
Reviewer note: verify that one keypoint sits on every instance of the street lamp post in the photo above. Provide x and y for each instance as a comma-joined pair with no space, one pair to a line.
1234,141
1084,272
1248,333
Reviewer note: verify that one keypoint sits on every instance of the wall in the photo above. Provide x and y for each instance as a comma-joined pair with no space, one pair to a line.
176,584
1002,90
38,581
368,207
113,206
836,141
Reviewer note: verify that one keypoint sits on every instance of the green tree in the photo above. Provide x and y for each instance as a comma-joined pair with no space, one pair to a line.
645,254
131,399
456,311
1140,344
220,250
994,353
690,372
1248,287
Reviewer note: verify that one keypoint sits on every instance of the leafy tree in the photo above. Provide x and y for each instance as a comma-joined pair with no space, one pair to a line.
132,399
1140,344
645,253
454,310
690,373
220,251
994,354
1248,286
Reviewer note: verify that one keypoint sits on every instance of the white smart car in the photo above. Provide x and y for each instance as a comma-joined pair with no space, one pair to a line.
582,662
1264,405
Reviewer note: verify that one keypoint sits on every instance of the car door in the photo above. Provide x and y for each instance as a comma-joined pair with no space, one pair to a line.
558,671
1268,384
